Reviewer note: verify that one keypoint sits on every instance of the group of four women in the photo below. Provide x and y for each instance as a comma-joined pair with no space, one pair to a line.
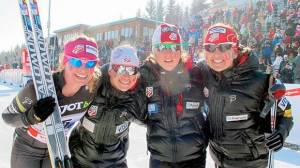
165,93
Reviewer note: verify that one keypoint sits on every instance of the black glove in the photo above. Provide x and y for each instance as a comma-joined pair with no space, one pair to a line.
40,111
275,141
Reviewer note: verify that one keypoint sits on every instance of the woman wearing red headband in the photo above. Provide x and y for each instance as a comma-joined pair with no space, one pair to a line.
174,98
74,85
237,95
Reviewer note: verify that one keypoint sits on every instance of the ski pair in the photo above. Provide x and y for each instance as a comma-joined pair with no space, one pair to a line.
43,82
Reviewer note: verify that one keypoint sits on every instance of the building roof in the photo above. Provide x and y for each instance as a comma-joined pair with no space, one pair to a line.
122,22
71,27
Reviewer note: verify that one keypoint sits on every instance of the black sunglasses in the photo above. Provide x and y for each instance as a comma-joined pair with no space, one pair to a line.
221,47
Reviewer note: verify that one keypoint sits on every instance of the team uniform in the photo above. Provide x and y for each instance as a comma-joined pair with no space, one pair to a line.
29,146
236,98
101,139
175,118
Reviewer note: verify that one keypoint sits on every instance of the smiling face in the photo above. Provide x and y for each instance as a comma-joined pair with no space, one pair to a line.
167,58
78,76
220,61
122,82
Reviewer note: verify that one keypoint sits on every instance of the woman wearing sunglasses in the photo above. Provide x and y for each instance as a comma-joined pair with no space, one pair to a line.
174,119
101,140
237,95
74,85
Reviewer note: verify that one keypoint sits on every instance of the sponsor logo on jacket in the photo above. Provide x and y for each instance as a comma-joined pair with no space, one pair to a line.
121,128
74,106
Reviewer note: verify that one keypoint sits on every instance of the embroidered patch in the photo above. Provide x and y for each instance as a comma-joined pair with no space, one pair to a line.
92,111
192,105
152,108
217,30
149,91
78,49
121,128
173,36
232,98
92,50
283,103
237,117
27,100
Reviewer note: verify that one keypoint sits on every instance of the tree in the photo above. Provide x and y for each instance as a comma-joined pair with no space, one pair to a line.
160,10
171,12
151,10
197,6
186,16
178,14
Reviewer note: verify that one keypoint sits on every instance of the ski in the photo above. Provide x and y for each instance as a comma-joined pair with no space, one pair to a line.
273,113
43,82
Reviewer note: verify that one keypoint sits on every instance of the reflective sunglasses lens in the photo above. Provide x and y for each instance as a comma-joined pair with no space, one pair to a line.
131,70
210,47
75,62
224,47
121,70
163,46
90,64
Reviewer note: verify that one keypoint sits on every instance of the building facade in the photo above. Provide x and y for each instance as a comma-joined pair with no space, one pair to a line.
134,31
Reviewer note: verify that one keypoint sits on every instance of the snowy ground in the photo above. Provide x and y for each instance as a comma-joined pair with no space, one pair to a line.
137,156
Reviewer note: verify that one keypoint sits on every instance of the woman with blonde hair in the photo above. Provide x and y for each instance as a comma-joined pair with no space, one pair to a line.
74,84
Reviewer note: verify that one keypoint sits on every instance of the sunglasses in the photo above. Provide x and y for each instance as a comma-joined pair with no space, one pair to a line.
77,63
221,47
122,69
165,46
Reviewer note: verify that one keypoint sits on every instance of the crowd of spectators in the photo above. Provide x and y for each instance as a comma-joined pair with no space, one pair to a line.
272,30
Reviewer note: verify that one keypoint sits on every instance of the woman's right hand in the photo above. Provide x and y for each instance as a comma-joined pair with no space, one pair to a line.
40,111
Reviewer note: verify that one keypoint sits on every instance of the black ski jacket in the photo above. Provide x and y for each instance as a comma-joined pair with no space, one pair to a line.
174,117
101,139
236,98
72,108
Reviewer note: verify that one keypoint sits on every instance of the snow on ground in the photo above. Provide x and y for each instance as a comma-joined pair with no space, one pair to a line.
137,154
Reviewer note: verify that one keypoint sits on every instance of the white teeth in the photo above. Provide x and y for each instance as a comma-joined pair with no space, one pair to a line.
168,60
81,76
217,61
125,82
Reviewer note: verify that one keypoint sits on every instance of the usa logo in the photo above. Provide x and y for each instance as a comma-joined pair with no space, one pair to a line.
92,111
173,36
149,91
214,37
127,59
78,49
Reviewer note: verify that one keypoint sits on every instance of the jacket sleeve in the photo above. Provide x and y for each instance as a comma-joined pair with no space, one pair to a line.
284,117
14,114
135,105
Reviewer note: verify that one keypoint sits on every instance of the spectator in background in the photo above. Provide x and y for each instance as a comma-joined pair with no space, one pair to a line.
267,52
278,50
276,65
262,67
286,73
